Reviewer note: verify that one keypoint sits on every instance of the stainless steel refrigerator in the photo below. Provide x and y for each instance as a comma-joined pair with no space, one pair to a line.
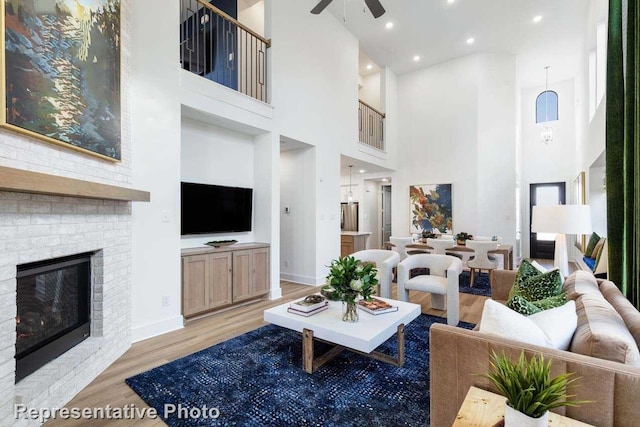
349,217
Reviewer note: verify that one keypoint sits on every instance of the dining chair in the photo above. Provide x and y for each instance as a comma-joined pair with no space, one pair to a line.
401,245
481,259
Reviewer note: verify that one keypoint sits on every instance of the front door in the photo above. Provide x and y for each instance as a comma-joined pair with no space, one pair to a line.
542,245
386,214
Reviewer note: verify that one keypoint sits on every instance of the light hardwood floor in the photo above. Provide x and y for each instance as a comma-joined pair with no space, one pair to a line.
110,389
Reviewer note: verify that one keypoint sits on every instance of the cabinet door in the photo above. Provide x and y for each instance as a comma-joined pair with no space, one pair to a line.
220,279
195,284
260,271
242,275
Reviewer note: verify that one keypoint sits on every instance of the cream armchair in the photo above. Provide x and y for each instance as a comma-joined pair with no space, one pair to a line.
385,262
441,282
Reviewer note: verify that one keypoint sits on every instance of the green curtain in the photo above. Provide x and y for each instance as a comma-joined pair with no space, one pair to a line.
623,150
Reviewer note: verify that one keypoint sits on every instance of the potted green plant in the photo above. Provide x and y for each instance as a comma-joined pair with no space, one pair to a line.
426,234
350,278
462,237
529,389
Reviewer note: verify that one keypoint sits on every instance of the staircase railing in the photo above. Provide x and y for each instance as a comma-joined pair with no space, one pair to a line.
220,48
371,126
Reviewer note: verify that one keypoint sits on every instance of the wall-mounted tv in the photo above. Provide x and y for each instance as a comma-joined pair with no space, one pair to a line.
208,209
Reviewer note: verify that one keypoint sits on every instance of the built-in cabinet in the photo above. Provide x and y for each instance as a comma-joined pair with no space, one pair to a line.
213,278
351,242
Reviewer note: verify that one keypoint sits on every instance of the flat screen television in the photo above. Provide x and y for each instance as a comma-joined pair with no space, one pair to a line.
208,209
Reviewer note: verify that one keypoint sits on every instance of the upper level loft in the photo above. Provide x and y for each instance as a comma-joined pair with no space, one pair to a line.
371,118
222,40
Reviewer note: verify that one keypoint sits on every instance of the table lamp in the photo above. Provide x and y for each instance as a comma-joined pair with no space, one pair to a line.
562,220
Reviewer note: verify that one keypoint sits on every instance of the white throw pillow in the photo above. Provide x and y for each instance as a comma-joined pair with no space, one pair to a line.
500,320
558,324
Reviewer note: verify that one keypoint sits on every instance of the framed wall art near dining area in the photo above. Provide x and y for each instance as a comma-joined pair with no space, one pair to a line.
431,208
60,69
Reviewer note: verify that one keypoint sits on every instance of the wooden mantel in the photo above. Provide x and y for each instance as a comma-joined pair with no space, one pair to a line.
23,181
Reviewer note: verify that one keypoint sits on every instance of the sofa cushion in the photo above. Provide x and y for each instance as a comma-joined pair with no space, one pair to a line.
526,270
593,241
523,306
580,283
602,332
623,306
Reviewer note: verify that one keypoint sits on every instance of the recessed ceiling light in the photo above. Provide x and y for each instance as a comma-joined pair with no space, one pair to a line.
416,58
389,25
362,171
369,66
471,40
385,180
451,1
537,19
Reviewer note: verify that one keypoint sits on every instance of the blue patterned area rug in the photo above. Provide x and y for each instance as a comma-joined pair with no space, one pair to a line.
257,380
480,284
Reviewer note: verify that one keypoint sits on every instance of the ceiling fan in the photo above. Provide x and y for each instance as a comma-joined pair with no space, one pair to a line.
374,6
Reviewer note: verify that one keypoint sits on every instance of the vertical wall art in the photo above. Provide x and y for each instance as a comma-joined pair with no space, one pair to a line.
431,208
61,72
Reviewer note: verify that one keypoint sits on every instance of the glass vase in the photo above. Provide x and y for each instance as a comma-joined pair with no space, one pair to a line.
349,311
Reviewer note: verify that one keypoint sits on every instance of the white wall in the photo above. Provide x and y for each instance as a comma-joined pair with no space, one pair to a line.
253,17
315,95
598,200
298,227
370,91
554,162
218,156
156,168
371,213
456,122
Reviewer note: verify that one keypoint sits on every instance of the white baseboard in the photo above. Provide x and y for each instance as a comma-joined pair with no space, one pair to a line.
303,280
154,329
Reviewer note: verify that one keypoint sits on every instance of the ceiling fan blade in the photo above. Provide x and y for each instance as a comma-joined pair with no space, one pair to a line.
321,6
375,7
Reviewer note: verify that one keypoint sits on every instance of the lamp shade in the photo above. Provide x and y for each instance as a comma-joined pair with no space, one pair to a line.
566,219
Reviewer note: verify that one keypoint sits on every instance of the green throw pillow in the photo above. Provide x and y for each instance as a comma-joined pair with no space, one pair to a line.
522,306
525,271
551,302
541,286
593,241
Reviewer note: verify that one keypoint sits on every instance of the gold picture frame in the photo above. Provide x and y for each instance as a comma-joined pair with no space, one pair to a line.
61,76
580,198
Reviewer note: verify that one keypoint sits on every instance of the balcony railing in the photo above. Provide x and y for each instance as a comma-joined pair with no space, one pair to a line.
371,126
218,47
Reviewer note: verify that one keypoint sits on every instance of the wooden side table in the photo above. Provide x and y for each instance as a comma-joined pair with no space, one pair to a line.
482,408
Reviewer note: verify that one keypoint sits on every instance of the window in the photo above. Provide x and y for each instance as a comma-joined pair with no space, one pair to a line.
547,107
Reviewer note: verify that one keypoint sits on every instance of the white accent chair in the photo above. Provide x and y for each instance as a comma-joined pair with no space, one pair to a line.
441,282
400,245
482,260
385,262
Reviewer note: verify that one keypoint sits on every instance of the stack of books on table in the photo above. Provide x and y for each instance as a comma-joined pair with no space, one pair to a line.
309,306
376,306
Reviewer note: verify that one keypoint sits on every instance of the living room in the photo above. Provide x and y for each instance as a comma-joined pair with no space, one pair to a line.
456,81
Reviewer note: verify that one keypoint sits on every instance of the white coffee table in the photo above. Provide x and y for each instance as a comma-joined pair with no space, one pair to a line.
362,337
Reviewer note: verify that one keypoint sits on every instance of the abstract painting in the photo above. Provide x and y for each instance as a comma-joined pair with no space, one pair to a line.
431,208
61,73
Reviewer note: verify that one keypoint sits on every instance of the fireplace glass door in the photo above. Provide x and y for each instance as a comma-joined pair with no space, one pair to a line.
53,310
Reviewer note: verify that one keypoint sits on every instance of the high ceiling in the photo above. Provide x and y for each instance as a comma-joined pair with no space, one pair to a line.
437,31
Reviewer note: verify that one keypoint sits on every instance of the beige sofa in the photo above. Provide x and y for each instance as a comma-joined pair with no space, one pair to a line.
457,356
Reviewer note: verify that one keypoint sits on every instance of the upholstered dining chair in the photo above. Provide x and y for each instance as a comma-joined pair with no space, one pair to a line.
401,245
481,259
385,262
440,246
441,282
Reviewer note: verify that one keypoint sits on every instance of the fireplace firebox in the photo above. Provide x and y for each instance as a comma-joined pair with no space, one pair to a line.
54,310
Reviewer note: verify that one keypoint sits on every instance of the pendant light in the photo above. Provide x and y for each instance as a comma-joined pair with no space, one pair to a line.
350,193
546,136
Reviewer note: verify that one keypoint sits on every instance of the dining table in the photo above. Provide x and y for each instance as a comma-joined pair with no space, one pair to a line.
505,250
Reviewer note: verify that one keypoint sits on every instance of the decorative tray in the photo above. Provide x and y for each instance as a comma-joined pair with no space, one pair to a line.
221,243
